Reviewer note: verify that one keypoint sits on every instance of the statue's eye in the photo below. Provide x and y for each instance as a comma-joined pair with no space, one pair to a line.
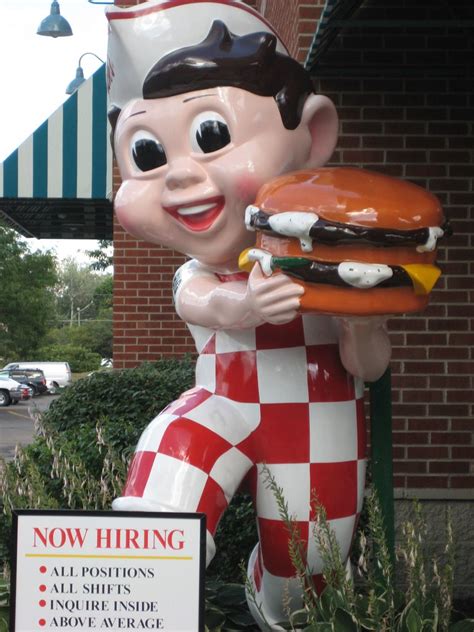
209,132
147,152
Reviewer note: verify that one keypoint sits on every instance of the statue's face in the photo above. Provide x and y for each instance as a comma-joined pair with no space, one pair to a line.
191,163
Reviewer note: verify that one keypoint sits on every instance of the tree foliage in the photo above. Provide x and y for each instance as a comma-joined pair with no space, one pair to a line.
76,292
46,306
94,336
102,258
103,294
80,359
84,309
27,281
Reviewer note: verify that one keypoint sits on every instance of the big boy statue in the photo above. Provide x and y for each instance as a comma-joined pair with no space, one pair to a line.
207,106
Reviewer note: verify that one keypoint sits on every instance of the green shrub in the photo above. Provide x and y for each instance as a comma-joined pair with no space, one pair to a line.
93,335
226,608
80,359
118,404
236,536
4,605
85,440
136,395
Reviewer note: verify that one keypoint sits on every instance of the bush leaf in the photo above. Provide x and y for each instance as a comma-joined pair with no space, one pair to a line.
343,621
231,595
214,618
462,626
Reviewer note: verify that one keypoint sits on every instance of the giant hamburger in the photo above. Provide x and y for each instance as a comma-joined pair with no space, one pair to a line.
358,241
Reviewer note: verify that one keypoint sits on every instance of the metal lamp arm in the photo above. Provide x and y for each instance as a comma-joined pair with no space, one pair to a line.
89,53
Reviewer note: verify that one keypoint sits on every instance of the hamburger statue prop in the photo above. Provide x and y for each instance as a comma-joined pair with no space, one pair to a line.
359,242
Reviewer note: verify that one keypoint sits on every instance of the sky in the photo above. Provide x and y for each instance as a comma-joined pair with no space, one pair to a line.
34,73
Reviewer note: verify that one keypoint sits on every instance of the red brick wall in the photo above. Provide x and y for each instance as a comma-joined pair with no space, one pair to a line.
295,21
407,125
284,16
414,120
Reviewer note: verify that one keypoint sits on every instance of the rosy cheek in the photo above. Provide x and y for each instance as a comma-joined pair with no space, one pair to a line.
129,204
246,188
123,219
125,215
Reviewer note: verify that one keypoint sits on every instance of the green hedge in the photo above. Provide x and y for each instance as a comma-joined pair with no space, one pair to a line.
87,437
136,394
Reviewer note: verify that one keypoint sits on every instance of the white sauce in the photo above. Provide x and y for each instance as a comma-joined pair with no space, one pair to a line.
250,211
295,225
435,232
363,275
264,258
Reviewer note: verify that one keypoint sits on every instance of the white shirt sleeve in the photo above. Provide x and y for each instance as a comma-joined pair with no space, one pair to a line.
191,269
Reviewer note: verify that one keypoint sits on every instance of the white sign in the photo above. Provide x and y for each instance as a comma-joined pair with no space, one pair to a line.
113,571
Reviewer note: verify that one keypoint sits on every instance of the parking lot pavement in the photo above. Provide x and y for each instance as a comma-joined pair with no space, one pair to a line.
17,426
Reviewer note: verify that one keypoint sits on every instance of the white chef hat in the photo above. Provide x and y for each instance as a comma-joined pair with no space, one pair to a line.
140,36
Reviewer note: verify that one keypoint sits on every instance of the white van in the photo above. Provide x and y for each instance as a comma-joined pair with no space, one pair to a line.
56,373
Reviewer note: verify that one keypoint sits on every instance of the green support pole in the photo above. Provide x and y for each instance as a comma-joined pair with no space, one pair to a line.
381,440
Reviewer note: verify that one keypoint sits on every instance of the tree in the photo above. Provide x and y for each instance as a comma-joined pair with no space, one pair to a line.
27,281
104,292
80,359
84,307
102,257
75,294
93,335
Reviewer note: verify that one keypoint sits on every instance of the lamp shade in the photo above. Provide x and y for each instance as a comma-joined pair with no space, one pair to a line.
79,78
54,25
76,82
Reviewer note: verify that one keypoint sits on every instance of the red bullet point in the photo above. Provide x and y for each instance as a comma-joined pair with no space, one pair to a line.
43,569
42,603
42,621
42,588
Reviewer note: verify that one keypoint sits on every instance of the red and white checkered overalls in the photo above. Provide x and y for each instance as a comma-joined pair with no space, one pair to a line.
274,395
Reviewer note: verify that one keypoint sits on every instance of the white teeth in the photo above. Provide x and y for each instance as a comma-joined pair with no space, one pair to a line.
194,210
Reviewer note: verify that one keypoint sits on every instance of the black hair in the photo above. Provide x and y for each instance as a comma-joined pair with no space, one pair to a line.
250,62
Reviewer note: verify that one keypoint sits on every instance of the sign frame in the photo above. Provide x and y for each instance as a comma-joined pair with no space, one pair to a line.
18,513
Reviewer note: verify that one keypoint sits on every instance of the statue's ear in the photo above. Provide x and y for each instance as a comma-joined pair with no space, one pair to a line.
320,116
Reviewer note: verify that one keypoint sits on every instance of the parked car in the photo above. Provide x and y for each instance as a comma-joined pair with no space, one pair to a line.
57,374
26,392
34,378
10,391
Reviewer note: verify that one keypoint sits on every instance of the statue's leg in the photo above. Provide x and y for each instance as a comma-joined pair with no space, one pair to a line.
186,460
326,461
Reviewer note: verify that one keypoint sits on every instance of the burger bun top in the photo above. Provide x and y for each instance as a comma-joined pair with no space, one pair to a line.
352,196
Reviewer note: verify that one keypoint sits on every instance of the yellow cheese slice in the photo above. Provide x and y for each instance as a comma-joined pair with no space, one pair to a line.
423,275
245,263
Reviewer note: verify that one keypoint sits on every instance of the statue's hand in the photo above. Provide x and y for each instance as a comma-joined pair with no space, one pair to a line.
274,299
364,345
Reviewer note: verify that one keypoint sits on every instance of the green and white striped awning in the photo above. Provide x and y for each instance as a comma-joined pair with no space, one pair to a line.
58,183
334,13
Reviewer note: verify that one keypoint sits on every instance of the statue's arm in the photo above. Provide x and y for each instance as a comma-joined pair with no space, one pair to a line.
202,299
